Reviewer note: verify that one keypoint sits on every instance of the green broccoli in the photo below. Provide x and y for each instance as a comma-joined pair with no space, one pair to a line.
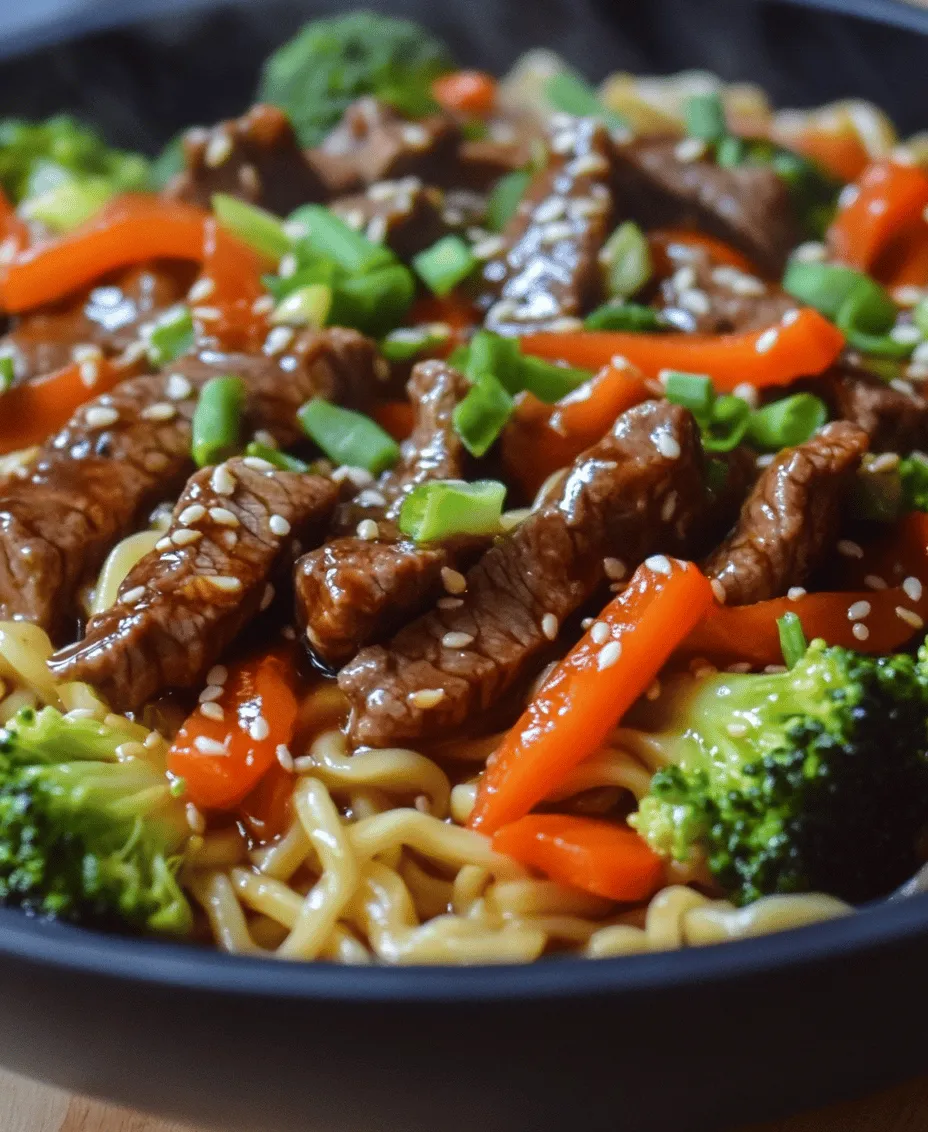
811,779
86,836
331,62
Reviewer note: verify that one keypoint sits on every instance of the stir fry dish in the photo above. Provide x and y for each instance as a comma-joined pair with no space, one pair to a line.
457,520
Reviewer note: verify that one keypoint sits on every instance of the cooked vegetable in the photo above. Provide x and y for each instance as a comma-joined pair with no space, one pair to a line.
504,200
466,92
87,834
792,639
274,456
331,62
888,196
446,508
705,117
217,420
254,226
480,417
171,335
627,260
815,779
307,306
347,437
445,264
626,316
375,303
568,92
409,342
328,237
787,422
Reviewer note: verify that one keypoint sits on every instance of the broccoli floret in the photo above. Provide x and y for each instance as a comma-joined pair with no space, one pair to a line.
331,62
84,835
811,779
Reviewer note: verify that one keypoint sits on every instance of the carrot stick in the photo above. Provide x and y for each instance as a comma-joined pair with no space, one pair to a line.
591,688
802,345
596,856
888,197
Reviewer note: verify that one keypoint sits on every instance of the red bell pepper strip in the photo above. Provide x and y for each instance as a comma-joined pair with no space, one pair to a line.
14,231
466,92
395,417
592,687
222,760
596,856
801,345
888,198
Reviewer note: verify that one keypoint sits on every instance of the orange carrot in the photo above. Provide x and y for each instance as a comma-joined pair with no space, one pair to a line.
466,92
222,760
591,688
595,856
887,198
395,417
802,345
663,241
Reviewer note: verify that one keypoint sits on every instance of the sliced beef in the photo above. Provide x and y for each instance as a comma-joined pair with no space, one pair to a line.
790,518
130,449
354,590
183,603
405,215
638,491
482,162
256,158
373,142
662,182
109,317
705,297
895,417
548,269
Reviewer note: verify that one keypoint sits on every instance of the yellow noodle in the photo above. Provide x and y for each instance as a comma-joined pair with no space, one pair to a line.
215,894
119,562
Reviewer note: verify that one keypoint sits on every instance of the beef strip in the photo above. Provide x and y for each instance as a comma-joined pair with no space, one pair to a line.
547,269
373,142
747,206
256,158
109,317
355,590
182,604
405,215
638,491
124,452
705,297
790,518
893,416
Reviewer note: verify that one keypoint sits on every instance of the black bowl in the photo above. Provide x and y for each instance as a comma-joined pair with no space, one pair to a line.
692,1040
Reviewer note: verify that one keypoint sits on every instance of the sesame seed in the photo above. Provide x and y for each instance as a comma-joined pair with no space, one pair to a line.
202,289
212,691
554,233
719,591
207,746
284,757
908,296
367,529
278,340
229,539
263,305
287,267
875,582
794,593
267,597
160,411
667,445
669,506
912,588
218,674
885,462
858,611
213,710
860,631
600,633
453,581
615,569
737,730
185,537
449,602
86,352
98,416
224,583
747,393
587,164
218,150
177,387
902,386
660,564
259,729
764,460
551,209
920,354
195,819
457,640
192,514
278,525
810,252
740,667
164,544
690,149
224,517
684,278
695,301
750,285
549,626
257,464
376,230
222,481
608,655
370,498
910,617
415,135
850,549
130,597
89,373
767,340
206,314
488,247
426,697
906,334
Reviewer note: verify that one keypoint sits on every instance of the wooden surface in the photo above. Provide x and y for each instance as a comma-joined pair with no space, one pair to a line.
27,1107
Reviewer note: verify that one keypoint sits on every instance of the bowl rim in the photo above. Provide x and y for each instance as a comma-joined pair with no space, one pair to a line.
68,949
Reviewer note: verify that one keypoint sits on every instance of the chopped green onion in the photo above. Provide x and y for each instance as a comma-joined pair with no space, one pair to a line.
217,420
569,93
69,203
787,422
408,342
913,477
920,316
446,508
705,117
307,306
445,264
730,151
321,270
504,199
255,226
492,353
549,381
864,319
828,286
7,373
792,639
375,303
171,336
459,358
694,391
480,417
327,235
727,424
626,316
628,260
276,457
347,437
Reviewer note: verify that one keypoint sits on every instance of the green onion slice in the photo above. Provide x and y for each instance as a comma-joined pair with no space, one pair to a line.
7,373
920,316
171,336
549,381
828,286
276,457
567,92
787,422
482,415
306,306
217,420
705,117
792,639
727,424
492,353
255,226
443,509
375,303
864,319
347,437
627,258
694,391
626,316
445,264
328,236
408,342
504,199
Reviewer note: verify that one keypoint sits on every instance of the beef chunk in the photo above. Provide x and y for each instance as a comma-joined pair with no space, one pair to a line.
548,268
790,518
404,215
482,162
638,491
256,158
705,297
129,449
748,206
109,317
373,142
183,603
894,417
355,590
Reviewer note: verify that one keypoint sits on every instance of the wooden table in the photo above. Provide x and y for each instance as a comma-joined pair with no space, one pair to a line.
27,1107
